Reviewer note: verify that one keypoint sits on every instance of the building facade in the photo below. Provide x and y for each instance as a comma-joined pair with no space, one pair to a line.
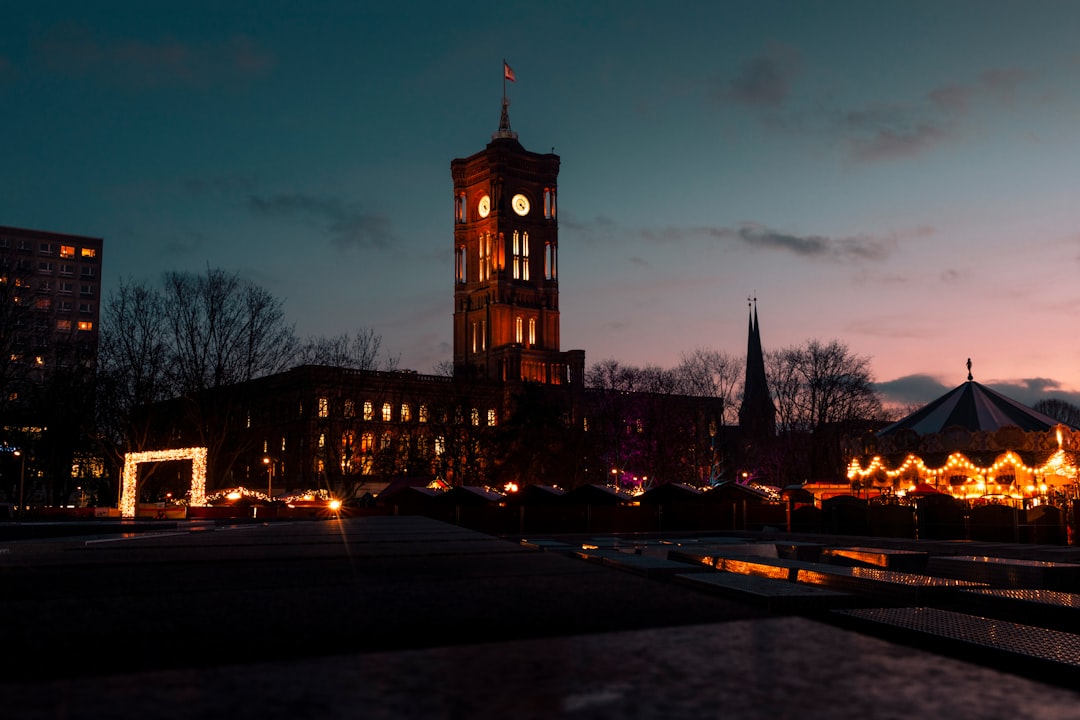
516,409
51,287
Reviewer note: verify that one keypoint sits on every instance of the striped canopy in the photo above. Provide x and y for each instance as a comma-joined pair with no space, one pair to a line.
974,407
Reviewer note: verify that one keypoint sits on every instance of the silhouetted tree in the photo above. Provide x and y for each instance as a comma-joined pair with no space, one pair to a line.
822,393
1061,410
189,340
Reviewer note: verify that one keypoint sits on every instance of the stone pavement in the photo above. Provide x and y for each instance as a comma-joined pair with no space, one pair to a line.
405,617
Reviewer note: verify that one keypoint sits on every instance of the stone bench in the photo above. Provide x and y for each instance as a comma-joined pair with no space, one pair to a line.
647,565
1046,608
913,561
773,595
1008,572
887,586
1041,653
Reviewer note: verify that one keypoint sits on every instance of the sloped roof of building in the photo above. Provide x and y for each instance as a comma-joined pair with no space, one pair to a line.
972,406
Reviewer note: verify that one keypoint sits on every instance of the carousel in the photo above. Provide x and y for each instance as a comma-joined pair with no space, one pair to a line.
974,444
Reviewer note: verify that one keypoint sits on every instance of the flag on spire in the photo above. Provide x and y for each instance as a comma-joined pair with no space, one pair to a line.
508,72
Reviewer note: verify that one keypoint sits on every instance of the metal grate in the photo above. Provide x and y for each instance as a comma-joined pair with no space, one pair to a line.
972,630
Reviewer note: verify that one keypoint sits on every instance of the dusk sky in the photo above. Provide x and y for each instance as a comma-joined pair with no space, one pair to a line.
898,176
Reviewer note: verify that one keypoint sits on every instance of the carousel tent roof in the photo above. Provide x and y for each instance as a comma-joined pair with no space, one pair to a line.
974,407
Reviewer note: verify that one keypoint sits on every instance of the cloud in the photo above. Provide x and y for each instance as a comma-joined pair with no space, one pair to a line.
916,389
892,143
1029,391
842,249
765,81
162,62
953,99
346,226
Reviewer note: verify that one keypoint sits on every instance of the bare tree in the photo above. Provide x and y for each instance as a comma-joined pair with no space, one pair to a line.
133,366
1061,410
360,351
190,342
822,392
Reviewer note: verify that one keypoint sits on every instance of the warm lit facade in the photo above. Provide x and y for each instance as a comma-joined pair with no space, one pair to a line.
506,276
54,291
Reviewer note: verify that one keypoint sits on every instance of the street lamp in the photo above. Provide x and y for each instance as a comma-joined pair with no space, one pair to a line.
269,463
22,480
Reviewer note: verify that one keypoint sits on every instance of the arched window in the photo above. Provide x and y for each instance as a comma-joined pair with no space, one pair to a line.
518,330
532,331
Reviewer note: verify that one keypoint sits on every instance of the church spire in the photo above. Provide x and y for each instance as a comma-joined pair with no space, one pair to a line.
757,414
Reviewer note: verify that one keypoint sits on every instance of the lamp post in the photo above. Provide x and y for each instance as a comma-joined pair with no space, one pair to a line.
22,481
269,463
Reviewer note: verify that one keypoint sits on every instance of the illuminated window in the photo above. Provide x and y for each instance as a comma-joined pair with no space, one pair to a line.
517,256
367,442
532,331
247,421
421,445
492,419
474,416
423,412
406,412
86,325
525,256
440,445
482,250
282,443
369,411
385,440
324,407
67,251
322,439
88,253
459,207
350,409
474,336
549,203
387,412
518,332
483,334
43,303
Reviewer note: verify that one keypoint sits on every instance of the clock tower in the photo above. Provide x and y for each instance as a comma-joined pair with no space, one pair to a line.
506,253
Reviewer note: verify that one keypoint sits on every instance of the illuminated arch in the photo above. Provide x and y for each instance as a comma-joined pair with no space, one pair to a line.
128,495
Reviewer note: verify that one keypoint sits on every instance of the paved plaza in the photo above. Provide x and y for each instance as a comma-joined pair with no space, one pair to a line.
406,617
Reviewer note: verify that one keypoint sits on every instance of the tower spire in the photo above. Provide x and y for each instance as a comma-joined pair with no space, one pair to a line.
504,130
757,414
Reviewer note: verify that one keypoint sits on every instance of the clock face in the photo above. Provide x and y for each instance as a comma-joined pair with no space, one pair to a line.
484,207
520,203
